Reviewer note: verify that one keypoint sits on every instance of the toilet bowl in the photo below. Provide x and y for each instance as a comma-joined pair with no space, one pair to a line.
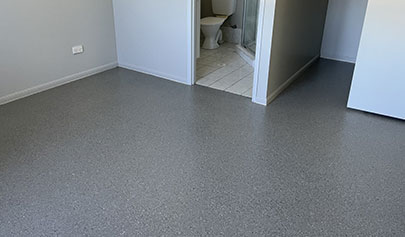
210,26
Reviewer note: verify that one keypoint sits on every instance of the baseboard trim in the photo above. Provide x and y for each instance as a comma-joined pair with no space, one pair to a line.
245,55
339,58
260,101
153,73
296,75
55,83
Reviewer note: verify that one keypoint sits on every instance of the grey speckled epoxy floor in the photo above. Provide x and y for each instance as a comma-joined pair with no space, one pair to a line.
125,154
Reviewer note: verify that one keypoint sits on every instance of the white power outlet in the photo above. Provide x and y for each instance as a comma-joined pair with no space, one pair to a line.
77,49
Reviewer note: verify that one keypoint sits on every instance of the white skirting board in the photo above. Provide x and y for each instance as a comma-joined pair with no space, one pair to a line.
55,83
296,75
153,73
339,58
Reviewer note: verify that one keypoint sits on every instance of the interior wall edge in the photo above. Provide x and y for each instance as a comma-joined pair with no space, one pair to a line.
56,83
266,18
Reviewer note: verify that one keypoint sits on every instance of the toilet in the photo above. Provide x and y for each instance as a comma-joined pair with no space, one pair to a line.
210,26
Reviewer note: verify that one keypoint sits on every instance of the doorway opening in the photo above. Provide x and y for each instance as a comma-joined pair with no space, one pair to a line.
226,41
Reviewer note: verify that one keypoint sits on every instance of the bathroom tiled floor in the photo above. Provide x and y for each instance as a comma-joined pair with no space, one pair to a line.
223,69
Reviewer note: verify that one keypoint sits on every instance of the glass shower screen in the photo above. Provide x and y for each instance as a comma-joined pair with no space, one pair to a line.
251,11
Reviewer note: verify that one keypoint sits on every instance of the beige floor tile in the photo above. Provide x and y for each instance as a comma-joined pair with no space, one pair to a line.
232,78
224,69
217,75
241,86
205,70
248,93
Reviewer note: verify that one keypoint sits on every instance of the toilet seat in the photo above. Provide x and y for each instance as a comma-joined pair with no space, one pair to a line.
210,21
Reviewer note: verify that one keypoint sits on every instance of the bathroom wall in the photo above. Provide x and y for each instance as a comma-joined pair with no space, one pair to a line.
297,39
344,24
206,8
36,40
153,40
378,83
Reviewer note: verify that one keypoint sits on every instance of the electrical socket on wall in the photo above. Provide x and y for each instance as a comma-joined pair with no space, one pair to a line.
77,49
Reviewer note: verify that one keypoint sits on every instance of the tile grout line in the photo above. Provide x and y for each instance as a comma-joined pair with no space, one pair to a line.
210,72
239,81
247,90
219,57
224,75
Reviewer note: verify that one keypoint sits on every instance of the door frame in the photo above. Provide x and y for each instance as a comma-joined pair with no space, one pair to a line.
263,47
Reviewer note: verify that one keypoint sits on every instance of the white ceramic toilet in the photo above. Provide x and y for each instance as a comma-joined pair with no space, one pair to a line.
210,26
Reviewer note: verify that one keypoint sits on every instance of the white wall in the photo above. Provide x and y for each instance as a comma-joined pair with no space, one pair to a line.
152,37
36,39
297,39
379,79
344,23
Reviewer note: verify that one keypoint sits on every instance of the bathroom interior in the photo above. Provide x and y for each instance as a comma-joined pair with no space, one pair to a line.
228,45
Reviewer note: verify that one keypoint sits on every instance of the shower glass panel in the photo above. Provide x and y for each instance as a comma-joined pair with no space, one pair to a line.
251,11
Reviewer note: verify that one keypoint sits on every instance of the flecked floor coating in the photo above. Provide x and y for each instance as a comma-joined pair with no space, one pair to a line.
126,154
